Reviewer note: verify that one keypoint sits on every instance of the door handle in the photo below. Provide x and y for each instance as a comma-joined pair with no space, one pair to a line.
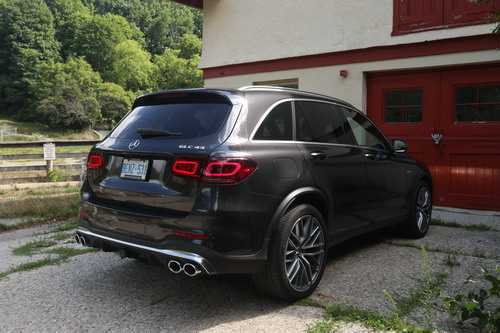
319,155
437,138
370,156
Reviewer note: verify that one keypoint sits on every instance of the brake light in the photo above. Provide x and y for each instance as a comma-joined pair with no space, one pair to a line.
94,161
187,168
215,171
228,171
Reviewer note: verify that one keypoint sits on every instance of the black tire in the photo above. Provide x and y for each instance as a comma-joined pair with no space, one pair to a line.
297,255
419,217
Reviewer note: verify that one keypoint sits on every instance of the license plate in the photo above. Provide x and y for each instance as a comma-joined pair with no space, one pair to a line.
134,169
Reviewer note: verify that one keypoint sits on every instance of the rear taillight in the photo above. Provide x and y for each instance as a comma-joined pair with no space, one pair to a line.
215,171
94,161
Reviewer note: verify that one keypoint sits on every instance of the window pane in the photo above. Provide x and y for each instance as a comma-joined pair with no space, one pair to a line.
319,122
489,112
365,133
393,115
465,95
489,94
465,113
277,125
413,97
413,114
393,98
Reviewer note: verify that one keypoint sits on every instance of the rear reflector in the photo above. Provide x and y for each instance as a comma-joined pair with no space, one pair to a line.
94,161
188,234
215,171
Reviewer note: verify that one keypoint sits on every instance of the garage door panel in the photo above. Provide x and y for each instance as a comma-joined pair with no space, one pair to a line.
465,162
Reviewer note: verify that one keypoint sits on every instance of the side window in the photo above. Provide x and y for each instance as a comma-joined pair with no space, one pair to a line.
365,133
319,122
277,125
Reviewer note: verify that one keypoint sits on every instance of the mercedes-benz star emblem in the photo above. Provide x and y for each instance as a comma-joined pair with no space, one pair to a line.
134,144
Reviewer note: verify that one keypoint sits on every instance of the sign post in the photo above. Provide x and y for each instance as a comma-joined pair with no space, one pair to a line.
49,155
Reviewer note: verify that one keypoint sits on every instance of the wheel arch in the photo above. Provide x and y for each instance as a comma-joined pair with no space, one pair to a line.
305,195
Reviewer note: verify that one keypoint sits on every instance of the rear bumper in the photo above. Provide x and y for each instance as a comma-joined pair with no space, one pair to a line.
210,262
96,240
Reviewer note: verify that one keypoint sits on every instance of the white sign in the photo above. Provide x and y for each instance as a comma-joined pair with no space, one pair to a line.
49,151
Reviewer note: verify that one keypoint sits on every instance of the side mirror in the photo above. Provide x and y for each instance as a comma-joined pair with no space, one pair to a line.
399,146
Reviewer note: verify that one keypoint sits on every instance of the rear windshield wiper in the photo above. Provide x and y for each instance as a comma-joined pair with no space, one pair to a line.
148,132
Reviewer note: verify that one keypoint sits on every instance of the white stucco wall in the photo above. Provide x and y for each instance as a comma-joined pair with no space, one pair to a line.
240,31
326,80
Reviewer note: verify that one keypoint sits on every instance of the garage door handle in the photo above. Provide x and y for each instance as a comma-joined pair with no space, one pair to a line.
318,155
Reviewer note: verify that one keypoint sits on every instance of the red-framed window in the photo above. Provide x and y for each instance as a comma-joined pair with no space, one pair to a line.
477,103
420,15
403,106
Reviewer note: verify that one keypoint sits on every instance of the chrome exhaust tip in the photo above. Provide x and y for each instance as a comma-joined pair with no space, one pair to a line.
77,239
191,270
174,266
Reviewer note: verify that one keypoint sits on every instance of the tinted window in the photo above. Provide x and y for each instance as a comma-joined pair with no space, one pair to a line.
319,122
365,133
191,120
277,125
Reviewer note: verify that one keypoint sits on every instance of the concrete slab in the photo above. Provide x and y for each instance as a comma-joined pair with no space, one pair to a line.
468,216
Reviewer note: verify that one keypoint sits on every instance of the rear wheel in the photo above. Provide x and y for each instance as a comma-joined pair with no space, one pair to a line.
297,255
420,215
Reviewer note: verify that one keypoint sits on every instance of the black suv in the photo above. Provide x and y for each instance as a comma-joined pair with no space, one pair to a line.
256,180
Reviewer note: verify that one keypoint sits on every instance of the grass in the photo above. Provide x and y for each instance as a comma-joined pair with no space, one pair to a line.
72,189
33,247
343,313
62,254
2,192
70,225
41,131
453,224
42,207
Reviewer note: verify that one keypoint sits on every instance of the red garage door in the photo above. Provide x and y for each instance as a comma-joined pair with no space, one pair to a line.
451,121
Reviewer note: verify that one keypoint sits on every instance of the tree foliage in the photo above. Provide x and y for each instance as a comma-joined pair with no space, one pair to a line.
67,93
78,62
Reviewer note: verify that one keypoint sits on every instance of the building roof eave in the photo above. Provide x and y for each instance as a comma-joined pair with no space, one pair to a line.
198,4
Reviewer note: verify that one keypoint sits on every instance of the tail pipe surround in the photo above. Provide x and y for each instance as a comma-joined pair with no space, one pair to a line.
188,269
81,240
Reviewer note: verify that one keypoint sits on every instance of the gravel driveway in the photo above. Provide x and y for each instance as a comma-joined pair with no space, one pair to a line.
100,292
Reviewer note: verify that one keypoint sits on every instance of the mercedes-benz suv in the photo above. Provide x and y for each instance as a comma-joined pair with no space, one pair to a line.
256,180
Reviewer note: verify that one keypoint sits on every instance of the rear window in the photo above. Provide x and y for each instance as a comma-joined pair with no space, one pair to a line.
193,120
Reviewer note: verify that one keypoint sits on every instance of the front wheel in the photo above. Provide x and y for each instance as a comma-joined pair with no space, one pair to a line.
420,215
297,255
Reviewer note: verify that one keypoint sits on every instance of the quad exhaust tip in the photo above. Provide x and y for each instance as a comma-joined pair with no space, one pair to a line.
81,240
189,269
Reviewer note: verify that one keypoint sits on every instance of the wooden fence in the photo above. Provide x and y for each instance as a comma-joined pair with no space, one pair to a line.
30,171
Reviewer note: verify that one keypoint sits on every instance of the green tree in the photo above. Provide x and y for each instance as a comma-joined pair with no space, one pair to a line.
69,15
189,46
173,72
165,30
67,93
131,67
97,37
27,38
114,101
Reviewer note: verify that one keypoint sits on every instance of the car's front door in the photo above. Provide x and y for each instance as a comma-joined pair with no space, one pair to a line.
386,170
336,165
